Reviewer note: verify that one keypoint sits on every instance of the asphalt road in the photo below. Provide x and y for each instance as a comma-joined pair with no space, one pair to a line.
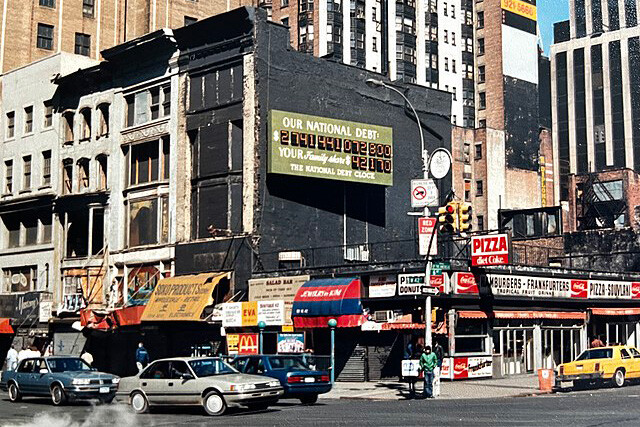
617,407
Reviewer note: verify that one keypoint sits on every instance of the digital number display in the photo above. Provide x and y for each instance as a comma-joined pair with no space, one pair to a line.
328,148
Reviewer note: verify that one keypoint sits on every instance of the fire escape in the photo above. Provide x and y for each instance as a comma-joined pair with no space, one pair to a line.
596,206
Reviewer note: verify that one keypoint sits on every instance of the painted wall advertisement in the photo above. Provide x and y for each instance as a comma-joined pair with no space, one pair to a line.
382,286
242,344
291,343
320,147
549,287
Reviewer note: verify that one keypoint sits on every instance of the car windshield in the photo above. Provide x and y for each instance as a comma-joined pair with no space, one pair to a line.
68,364
288,363
210,367
597,353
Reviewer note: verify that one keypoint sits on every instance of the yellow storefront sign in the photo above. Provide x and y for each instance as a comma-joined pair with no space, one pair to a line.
250,313
182,297
521,8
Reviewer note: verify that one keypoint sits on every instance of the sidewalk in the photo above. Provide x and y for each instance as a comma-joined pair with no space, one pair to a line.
522,385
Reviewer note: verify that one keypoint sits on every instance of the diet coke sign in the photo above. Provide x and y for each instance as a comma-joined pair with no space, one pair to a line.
490,250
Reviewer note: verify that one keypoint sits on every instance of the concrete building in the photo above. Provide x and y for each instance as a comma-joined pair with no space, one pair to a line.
33,29
596,90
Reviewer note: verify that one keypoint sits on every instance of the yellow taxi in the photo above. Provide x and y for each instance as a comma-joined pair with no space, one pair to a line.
614,363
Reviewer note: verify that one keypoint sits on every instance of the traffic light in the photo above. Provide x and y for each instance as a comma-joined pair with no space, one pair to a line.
464,217
448,218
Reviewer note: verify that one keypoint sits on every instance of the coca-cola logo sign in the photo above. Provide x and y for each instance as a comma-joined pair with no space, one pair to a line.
460,368
635,290
579,289
465,283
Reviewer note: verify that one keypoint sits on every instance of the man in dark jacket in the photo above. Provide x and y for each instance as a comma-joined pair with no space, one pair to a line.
142,357
439,352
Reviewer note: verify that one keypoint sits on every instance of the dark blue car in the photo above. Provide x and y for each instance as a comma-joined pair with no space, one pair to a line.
297,378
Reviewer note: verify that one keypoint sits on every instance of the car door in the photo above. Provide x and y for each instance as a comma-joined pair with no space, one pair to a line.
636,360
24,376
181,385
240,363
41,375
628,363
153,381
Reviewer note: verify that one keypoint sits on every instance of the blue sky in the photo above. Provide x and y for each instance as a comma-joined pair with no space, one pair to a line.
550,11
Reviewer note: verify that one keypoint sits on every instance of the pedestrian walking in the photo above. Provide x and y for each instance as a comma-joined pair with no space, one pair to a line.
142,357
23,354
12,359
439,352
428,362
597,342
87,357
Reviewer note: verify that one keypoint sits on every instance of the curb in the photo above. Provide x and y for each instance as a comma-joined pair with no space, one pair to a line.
521,395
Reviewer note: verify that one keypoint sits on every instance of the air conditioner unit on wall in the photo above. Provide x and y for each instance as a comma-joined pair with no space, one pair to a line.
383,316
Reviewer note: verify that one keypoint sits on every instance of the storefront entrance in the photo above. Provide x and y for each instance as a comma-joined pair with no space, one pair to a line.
560,345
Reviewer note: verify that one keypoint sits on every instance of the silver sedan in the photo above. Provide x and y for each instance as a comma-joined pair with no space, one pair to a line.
209,382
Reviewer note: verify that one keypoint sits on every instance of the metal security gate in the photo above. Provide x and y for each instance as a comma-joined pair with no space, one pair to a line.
517,349
560,345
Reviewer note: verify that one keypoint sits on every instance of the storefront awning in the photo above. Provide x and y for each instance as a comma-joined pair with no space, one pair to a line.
520,314
182,297
93,319
319,300
436,327
5,327
615,311
129,316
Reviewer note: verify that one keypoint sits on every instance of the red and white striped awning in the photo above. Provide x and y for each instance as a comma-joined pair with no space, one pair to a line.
523,314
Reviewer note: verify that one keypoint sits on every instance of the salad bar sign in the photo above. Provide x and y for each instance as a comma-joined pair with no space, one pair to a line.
320,147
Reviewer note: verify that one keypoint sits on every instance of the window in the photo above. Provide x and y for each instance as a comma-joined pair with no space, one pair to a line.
453,10
83,174
453,65
188,20
102,172
103,120
480,222
8,176
67,123
45,37
478,151
148,105
46,168
482,123
445,10
21,279
46,228
479,190
149,162
455,96
148,221
480,47
453,38
88,8
375,44
48,114
67,176
284,3
285,22
446,36
481,73
26,172
482,100
28,119
85,114
77,233
48,3
11,124
446,64
157,371
480,19
83,44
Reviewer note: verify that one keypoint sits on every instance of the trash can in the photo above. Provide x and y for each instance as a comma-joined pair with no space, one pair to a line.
546,379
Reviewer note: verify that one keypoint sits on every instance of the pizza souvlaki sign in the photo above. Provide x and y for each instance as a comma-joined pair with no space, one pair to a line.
549,287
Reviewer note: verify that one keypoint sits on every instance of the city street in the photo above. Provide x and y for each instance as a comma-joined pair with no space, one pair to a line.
586,408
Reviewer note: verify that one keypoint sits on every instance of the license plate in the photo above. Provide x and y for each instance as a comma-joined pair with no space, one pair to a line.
309,380
104,389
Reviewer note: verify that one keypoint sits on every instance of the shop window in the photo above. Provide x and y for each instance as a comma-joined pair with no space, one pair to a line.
46,168
67,124
26,173
103,120
148,221
85,115
67,176
28,119
149,162
22,279
8,176
83,174
11,124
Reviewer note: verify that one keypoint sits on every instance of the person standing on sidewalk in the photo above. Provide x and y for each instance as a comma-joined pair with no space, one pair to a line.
439,352
428,362
142,357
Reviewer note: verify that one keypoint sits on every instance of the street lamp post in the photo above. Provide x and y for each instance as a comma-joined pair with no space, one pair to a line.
261,326
425,172
332,324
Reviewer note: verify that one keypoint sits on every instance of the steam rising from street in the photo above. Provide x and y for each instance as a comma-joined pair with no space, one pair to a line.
112,415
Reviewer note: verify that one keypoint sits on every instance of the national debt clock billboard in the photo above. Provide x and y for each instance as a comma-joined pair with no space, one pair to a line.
321,147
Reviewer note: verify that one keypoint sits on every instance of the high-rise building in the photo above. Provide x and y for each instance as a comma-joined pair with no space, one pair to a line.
33,29
595,67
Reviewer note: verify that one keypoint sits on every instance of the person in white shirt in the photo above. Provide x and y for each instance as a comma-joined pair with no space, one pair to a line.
23,354
12,359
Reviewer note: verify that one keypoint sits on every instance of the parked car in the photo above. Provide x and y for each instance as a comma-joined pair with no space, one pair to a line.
613,364
61,377
296,377
209,382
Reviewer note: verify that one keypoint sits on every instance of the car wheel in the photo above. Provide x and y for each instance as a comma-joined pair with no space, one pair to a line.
58,396
309,400
139,402
214,403
618,378
14,393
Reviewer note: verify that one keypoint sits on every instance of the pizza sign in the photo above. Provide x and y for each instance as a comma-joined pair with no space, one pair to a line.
490,250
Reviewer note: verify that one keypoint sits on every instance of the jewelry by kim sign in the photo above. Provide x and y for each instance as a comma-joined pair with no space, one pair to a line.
320,147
